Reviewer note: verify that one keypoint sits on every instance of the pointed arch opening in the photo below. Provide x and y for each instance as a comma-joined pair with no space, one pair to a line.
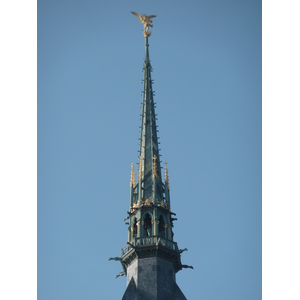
147,225
161,227
134,233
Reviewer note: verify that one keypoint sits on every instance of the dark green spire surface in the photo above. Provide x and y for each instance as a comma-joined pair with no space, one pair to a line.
149,141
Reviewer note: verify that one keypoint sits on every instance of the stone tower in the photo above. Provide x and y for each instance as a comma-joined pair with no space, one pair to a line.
151,257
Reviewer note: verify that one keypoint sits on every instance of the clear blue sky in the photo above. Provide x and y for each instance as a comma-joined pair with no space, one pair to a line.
206,59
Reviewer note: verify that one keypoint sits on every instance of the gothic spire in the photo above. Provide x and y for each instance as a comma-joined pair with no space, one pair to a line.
150,245
149,151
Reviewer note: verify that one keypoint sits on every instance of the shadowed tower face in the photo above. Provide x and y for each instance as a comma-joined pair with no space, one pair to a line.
151,258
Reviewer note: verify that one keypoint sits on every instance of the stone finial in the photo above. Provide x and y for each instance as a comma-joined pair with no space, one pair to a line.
140,168
132,179
166,174
154,167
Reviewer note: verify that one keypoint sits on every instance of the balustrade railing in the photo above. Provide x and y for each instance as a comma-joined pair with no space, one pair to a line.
152,240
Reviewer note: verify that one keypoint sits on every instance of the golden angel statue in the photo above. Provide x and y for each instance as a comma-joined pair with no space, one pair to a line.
146,21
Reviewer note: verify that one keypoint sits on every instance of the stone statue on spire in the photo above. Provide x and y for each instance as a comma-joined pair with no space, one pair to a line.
146,21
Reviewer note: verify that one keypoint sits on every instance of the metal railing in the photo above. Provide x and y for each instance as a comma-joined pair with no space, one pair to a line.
152,240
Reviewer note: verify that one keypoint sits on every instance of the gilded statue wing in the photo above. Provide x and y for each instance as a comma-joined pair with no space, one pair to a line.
143,18
136,14
151,16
